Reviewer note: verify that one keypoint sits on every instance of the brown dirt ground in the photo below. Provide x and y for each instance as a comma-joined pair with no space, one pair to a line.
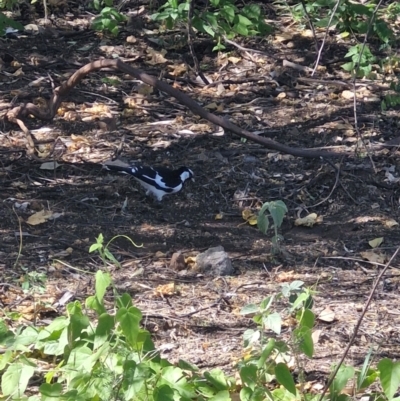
200,322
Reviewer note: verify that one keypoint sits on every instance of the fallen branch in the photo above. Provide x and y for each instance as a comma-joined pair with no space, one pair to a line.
59,94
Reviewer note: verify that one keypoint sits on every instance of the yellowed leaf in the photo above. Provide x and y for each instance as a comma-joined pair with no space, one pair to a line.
211,106
373,257
315,336
249,216
234,60
145,89
308,221
390,223
190,260
156,57
177,69
18,73
374,243
39,217
166,290
327,315
160,255
219,216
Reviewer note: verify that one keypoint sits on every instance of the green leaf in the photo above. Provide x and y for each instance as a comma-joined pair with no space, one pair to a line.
348,66
306,318
217,378
344,374
124,301
248,374
103,280
250,336
50,392
305,341
284,377
94,247
273,322
277,210
164,393
15,379
228,12
252,11
266,352
262,223
208,29
249,309
241,29
104,328
129,320
389,376
266,303
221,396
242,20
80,360
93,303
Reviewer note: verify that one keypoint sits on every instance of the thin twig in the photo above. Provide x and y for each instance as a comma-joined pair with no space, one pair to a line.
354,85
358,324
190,43
310,23
325,36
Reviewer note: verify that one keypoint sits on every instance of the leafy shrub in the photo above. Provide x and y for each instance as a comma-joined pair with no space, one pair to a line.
223,18
109,18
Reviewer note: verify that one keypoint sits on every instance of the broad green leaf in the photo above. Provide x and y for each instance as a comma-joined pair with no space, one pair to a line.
251,11
221,396
344,374
15,379
306,318
93,303
249,309
284,377
241,29
266,303
305,341
389,376
277,210
250,336
242,20
248,374
50,392
104,328
217,378
129,320
266,352
80,360
164,393
103,280
262,223
124,301
273,322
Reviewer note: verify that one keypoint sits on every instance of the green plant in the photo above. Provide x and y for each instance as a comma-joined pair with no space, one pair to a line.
277,211
8,22
268,356
109,19
33,281
221,18
103,250
361,60
98,355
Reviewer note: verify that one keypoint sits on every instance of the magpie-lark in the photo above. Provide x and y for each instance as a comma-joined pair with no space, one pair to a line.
158,181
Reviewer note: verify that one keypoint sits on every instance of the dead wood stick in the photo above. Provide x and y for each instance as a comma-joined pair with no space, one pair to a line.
60,92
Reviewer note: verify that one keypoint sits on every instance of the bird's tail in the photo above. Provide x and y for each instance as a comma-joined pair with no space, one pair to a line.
121,169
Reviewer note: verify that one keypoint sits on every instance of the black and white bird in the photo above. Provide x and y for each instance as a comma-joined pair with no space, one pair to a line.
158,181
